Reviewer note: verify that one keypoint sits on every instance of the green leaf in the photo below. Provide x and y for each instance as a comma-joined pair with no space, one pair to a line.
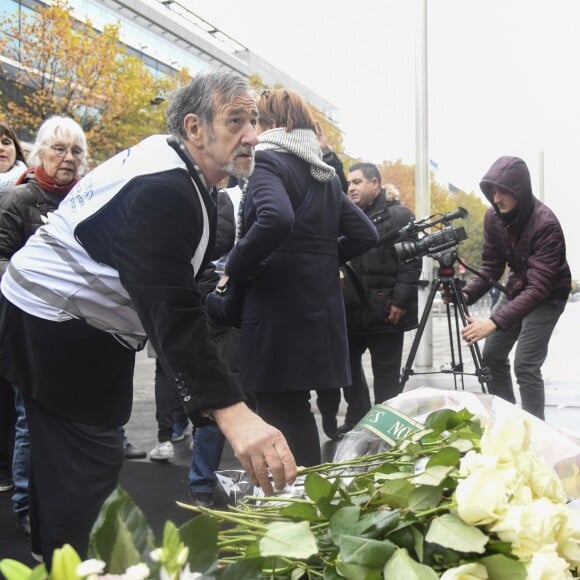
289,539
330,573
300,511
344,522
462,445
38,573
404,538
447,456
425,497
14,570
418,543
396,493
124,553
349,521
402,566
377,523
434,476
351,571
200,535
446,419
246,569
65,561
317,487
365,551
451,532
498,547
501,567
327,507
171,539
120,511
386,468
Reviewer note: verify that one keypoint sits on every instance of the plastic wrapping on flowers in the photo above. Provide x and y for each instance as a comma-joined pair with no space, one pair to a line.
475,489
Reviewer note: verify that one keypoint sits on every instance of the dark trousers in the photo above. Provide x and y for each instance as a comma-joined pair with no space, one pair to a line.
7,422
290,412
386,352
532,335
208,441
168,406
73,469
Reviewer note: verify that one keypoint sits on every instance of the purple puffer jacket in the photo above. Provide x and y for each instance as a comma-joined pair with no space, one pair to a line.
532,245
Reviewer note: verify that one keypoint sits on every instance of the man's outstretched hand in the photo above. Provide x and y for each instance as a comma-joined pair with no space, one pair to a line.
477,329
261,449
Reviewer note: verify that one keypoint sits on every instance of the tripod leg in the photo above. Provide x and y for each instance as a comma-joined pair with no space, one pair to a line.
461,307
455,366
407,370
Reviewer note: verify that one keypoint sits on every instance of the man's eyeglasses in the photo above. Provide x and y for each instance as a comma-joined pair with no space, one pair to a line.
61,150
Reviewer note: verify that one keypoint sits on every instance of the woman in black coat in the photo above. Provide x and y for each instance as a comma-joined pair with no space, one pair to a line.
297,228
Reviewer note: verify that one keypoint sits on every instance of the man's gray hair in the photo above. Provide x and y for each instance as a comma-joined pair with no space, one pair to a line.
198,98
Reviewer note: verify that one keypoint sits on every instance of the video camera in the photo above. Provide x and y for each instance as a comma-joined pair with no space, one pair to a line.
412,246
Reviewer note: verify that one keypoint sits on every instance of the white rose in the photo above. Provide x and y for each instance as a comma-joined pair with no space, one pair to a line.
473,461
521,494
507,438
530,527
544,482
568,538
547,565
483,496
473,571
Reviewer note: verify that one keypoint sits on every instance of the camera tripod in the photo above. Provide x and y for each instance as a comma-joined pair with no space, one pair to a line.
452,287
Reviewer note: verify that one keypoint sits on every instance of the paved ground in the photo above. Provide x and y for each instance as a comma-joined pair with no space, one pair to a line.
561,375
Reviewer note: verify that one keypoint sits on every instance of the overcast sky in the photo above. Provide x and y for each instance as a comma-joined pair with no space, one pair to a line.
504,79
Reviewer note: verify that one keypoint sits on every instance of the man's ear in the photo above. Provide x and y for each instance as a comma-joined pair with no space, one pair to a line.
193,127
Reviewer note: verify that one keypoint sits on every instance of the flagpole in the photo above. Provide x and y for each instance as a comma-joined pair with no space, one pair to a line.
422,186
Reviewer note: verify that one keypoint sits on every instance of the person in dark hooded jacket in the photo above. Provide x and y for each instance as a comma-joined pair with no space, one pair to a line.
522,233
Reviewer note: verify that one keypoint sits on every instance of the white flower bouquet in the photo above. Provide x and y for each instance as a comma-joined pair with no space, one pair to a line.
452,500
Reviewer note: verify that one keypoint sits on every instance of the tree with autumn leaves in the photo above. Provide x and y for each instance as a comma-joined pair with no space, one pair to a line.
66,67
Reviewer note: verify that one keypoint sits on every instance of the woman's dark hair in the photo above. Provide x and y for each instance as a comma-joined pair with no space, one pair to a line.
284,108
6,130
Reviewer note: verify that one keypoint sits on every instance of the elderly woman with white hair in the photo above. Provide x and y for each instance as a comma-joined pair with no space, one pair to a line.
57,161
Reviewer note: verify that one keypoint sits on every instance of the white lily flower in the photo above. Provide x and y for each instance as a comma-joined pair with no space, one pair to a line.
90,567
137,572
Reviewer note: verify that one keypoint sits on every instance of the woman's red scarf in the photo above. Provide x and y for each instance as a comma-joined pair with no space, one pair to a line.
46,182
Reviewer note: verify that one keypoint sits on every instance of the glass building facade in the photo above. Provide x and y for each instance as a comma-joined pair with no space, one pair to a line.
168,36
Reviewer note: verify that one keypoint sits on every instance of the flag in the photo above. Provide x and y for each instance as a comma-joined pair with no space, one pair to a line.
433,164
453,189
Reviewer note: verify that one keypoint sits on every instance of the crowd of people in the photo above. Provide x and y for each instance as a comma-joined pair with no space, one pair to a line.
94,265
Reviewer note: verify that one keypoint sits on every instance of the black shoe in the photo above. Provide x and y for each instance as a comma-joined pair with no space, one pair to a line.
5,481
344,429
23,524
132,452
330,426
201,498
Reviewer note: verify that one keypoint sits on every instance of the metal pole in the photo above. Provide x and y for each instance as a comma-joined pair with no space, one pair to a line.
541,174
422,193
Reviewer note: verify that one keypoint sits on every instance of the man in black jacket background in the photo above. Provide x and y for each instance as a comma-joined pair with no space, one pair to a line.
378,320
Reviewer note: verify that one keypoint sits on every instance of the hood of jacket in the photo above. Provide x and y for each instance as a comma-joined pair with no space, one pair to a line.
512,175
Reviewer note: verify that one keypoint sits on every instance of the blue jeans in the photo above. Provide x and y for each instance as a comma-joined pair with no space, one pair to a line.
208,444
21,458
532,335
